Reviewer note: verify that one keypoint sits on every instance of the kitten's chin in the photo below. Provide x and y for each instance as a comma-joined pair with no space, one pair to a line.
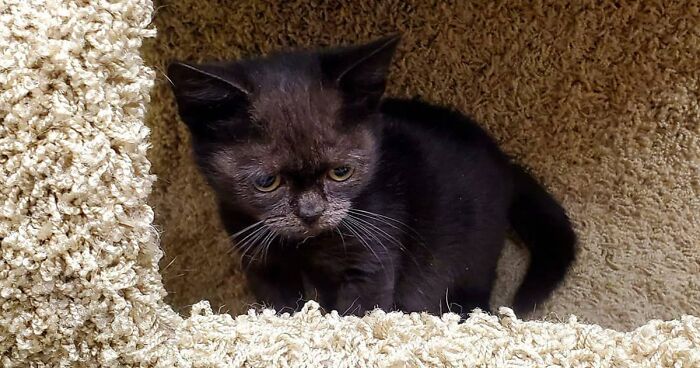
296,230
306,232
302,234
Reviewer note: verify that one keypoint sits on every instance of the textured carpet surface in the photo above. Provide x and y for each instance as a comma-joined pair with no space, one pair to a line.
601,103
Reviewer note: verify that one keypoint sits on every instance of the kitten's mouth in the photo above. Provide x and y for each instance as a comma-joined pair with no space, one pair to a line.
306,232
309,232
298,230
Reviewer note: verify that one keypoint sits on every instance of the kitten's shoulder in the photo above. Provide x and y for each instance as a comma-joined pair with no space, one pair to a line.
438,119
416,109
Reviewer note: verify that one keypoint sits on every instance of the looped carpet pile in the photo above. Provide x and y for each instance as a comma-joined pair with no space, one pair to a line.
600,100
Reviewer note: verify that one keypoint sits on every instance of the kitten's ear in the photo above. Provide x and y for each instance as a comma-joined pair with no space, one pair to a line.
207,93
360,72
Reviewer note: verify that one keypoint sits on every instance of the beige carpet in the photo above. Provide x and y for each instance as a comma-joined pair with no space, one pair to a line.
79,278
600,101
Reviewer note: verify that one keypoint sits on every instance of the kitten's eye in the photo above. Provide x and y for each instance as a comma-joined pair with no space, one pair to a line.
341,173
267,183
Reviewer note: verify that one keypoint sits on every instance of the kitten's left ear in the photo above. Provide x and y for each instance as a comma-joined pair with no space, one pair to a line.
360,72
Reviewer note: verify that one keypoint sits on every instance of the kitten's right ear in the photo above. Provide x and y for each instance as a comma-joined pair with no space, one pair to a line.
207,93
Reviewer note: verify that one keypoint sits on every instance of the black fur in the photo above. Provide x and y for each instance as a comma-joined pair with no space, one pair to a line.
420,224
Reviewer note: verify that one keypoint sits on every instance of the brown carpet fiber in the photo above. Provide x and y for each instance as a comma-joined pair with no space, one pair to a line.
601,101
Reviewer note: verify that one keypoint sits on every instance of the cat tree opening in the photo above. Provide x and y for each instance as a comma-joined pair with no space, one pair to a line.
559,112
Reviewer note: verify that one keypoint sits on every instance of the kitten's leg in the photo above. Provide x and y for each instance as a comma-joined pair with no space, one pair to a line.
474,291
276,287
362,294
431,291
463,300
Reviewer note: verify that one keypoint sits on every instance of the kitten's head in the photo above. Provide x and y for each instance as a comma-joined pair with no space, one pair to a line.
289,139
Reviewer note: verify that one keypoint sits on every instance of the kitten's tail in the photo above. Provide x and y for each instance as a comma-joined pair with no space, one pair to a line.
544,228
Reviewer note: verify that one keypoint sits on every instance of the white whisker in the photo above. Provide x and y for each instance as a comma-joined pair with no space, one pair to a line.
252,241
380,231
367,231
381,219
245,229
385,220
266,245
362,241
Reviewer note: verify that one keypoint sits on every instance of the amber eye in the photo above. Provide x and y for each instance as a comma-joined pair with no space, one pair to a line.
341,173
267,183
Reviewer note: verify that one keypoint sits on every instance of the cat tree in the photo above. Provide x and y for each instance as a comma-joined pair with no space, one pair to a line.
79,257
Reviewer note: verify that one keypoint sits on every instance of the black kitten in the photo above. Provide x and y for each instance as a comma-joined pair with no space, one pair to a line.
357,202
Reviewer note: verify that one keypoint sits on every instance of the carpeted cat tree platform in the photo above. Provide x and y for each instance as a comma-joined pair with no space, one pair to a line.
600,101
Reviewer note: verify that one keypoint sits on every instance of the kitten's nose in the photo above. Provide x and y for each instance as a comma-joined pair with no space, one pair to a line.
310,207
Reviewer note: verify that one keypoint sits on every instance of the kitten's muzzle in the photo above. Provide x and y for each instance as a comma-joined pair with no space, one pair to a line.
310,207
